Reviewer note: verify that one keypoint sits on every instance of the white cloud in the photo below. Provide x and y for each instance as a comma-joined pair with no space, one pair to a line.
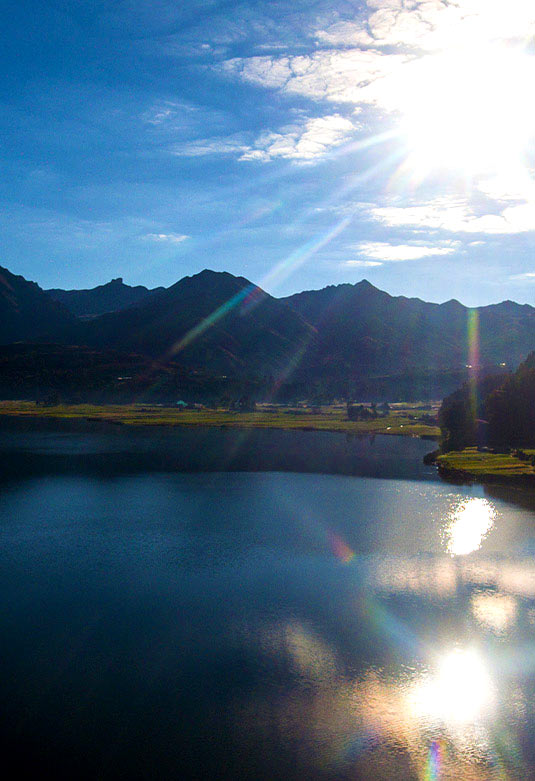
345,34
376,46
391,253
382,57
270,72
337,76
162,112
362,263
392,4
216,145
307,140
528,276
432,24
172,238
314,139
457,216
513,184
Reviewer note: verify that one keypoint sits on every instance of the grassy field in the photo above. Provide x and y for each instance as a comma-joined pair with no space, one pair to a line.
482,466
329,419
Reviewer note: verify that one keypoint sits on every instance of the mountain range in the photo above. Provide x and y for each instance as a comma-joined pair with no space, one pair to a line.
113,296
223,325
27,313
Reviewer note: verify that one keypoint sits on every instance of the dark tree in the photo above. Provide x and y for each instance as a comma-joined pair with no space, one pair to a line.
460,416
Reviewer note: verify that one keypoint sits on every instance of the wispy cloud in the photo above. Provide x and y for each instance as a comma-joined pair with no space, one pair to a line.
215,145
528,276
362,263
373,60
307,140
171,238
332,75
164,112
432,24
391,253
363,59
314,139
456,215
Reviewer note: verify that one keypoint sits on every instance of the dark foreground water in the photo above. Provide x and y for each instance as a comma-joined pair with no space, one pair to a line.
159,624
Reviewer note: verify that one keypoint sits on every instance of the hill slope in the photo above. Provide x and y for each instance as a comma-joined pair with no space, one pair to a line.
27,312
362,330
345,340
112,297
212,320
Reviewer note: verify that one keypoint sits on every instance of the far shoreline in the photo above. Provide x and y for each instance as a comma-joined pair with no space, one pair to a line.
149,416
486,468
40,446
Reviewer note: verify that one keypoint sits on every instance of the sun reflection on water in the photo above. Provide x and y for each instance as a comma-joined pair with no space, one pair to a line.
460,691
494,611
468,525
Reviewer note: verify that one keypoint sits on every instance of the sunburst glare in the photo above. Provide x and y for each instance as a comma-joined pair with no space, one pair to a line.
467,111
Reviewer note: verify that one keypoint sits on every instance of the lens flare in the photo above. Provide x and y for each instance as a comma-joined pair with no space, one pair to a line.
340,548
434,762
473,359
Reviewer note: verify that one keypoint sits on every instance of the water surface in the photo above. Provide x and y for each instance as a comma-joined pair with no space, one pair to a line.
185,624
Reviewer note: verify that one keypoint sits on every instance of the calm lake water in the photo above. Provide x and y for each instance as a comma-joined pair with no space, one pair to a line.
159,621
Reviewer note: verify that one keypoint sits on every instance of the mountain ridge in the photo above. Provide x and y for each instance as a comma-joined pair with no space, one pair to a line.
329,339
25,309
109,297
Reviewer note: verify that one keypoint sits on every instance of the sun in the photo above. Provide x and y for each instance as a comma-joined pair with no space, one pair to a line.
468,110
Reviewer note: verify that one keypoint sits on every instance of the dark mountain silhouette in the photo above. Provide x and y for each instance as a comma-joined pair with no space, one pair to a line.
212,320
362,331
48,372
112,297
27,312
349,340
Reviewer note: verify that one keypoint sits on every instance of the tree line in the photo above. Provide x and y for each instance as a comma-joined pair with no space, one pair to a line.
496,411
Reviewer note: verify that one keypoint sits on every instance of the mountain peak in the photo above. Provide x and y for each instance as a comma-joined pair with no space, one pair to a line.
110,297
453,304
210,280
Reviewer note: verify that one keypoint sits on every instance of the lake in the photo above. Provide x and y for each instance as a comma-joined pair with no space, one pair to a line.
171,610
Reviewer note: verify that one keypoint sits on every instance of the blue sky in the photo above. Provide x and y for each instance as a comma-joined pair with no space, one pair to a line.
299,144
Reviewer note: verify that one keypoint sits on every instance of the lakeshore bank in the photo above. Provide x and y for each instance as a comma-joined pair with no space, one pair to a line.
473,466
40,447
398,423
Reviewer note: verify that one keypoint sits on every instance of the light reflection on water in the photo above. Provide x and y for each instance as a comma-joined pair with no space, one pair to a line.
468,525
450,711
300,626
494,611
460,690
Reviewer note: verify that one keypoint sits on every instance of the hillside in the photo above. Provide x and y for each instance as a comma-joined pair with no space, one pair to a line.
27,312
363,330
48,371
100,300
212,320
343,341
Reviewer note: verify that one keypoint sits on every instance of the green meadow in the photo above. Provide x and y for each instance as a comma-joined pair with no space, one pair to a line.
332,418
482,465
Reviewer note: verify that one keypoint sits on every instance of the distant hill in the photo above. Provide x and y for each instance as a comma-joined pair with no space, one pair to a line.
27,312
345,341
111,297
47,372
363,331
212,321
